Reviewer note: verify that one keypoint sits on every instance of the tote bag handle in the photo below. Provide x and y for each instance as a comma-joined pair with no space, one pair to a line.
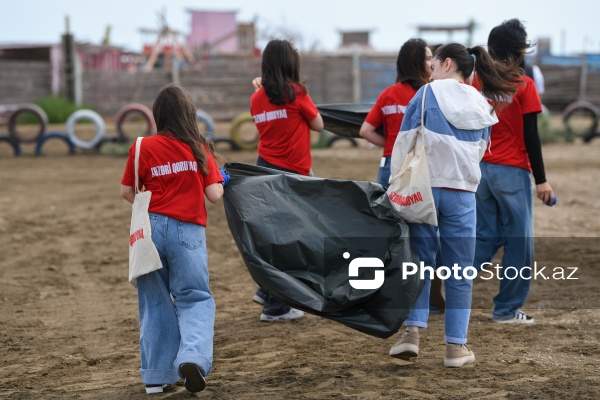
414,147
138,145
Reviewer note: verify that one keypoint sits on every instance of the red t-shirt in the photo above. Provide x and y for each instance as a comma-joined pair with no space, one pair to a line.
389,112
507,140
168,169
283,130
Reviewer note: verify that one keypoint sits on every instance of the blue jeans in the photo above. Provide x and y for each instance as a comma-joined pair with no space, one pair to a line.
177,310
456,229
505,218
384,171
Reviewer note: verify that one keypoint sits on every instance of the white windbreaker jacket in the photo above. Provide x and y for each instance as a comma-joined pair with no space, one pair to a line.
458,121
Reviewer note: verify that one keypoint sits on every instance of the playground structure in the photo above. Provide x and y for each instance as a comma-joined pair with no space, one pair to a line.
167,44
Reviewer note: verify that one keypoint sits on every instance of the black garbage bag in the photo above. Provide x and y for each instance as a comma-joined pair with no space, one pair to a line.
300,236
345,119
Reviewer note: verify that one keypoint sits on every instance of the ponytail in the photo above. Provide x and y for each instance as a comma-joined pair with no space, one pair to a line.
499,82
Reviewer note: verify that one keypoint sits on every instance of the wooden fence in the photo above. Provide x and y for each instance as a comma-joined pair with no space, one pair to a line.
24,81
222,86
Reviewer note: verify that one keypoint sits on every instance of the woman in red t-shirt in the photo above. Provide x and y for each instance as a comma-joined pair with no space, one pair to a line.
284,115
176,308
283,111
413,67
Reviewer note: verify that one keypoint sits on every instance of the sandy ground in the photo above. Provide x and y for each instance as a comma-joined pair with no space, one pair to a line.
69,322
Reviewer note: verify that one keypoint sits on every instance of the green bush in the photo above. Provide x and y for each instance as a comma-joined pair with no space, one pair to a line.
57,108
548,133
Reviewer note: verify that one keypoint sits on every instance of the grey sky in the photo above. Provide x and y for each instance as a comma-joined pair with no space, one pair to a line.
571,25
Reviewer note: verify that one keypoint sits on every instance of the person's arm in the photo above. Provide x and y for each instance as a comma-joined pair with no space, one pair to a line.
128,193
257,83
214,192
533,145
317,123
367,132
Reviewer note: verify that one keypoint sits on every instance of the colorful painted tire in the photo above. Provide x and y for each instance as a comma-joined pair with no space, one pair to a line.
231,143
108,139
14,143
336,138
578,106
89,115
209,124
53,135
32,109
134,108
244,144
321,141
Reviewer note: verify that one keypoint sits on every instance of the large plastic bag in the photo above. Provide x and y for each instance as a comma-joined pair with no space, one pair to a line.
345,119
299,237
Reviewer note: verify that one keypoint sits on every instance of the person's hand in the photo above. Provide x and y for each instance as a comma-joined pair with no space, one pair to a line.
225,175
544,192
257,83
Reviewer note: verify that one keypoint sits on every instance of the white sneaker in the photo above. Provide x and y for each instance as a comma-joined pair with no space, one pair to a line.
519,317
406,347
458,355
150,389
292,314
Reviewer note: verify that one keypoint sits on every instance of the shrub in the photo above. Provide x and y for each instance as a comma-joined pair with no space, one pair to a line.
57,108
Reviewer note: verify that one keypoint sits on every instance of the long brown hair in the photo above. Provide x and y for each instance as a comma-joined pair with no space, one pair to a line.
175,113
499,81
410,64
508,42
280,72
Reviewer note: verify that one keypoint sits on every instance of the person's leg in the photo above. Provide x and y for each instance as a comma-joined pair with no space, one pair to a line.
489,228
515,200
383,176
437,301
457,223
424,240
159,330
273,309
189,285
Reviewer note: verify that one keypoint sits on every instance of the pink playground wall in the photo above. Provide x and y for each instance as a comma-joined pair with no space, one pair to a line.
209,26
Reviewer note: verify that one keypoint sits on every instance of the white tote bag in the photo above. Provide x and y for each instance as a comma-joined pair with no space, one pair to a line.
143,256
410,189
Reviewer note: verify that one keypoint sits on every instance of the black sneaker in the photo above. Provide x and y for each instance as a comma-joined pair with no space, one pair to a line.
260,296
192,377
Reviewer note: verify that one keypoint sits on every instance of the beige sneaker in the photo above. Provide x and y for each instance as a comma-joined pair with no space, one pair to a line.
458,355
407,346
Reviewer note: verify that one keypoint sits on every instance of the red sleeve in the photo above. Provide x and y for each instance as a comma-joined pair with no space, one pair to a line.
129,176
214,174
306,106
374,116
529,97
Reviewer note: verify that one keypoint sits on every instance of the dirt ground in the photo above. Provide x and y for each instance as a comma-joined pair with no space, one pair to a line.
69,321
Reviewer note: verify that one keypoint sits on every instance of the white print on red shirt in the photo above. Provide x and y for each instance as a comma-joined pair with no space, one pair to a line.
393,109
266,116
174,168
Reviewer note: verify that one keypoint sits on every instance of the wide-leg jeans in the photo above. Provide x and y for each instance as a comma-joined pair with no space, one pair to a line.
176,307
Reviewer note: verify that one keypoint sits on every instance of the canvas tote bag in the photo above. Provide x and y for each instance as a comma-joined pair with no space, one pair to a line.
410,192
143,256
